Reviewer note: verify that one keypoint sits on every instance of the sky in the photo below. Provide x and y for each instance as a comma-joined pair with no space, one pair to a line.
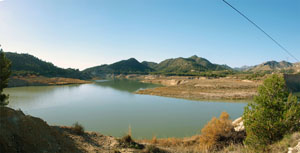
86,33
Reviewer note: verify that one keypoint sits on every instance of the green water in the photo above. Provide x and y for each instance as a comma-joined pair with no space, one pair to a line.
110,107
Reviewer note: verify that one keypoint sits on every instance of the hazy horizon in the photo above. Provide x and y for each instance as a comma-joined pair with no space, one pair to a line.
82,34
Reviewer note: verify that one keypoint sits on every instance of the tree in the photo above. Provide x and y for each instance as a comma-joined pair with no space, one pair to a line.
4,75
274,113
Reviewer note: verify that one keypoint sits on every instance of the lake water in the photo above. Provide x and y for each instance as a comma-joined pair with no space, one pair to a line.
110,107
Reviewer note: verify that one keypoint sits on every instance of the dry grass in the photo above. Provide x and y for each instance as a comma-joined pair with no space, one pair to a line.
290,140
153,149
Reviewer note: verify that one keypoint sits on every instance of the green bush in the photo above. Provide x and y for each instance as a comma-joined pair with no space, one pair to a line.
4,75
273,114
78,128
127,142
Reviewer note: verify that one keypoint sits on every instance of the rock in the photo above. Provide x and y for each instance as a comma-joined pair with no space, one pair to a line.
247,81
296,149
238,124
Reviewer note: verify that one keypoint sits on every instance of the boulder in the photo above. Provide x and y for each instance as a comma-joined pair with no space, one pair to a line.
238,124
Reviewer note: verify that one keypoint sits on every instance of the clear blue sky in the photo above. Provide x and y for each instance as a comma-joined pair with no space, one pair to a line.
85,33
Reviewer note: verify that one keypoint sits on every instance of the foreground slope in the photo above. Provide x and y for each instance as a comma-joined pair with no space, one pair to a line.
27,134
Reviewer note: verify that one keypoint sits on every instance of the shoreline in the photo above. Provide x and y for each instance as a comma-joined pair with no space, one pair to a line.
43,81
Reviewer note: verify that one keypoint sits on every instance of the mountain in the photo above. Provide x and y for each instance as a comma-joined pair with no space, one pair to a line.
130,66
243,68
25,64
150,64
186,65
271,66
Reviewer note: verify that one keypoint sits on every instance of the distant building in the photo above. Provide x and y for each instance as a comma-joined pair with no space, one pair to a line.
293,82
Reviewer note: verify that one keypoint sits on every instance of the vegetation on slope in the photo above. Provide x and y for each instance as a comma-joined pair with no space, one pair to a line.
150,64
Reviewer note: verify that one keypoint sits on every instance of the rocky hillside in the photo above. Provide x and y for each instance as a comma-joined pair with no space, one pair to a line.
22,133
273,66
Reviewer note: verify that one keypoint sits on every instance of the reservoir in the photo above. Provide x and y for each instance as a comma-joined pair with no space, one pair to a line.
110,107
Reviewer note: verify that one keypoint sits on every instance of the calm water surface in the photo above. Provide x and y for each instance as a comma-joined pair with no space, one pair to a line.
110,107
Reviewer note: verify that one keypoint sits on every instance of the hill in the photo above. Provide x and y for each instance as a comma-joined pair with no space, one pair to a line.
130,66
25,64
186,65
271,66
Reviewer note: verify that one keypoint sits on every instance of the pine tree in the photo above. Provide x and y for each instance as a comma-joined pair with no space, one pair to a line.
4,75
274,113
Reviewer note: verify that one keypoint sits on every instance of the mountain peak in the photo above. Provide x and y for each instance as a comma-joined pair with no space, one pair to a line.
132,59
194,57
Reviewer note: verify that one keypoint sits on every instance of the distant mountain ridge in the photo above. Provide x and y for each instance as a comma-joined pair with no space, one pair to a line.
25,64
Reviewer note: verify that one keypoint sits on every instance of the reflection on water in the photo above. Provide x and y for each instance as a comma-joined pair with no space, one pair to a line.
110,107
38,96
125,85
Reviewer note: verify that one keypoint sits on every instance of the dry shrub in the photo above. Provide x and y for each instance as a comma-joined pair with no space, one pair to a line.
127,139
78,128
154,140
219,133
127,142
